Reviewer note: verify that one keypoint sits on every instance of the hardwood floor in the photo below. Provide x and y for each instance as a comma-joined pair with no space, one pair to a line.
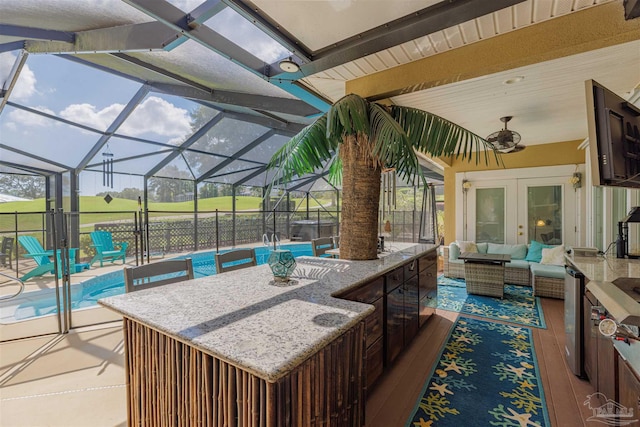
396,392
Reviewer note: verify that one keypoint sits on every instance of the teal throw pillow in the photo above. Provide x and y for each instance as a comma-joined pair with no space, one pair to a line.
535,251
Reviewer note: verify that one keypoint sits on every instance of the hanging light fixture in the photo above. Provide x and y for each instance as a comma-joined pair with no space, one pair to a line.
107,167
288,65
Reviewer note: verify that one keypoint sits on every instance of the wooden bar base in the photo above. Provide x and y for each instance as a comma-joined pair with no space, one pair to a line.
172,383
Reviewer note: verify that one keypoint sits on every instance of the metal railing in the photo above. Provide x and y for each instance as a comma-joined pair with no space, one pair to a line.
12,279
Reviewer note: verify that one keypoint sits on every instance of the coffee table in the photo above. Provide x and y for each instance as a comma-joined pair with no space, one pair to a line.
484,273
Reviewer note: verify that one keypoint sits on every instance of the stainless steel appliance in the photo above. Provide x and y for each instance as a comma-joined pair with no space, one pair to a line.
573,320
622,243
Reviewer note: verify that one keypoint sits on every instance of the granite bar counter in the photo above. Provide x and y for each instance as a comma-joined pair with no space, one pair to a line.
244,336
602,273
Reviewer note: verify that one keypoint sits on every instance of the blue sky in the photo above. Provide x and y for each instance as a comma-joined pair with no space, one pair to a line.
94,98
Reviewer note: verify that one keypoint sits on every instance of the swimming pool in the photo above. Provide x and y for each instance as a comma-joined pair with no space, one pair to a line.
87,293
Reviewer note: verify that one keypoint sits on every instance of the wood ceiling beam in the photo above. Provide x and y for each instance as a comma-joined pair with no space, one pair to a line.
589,29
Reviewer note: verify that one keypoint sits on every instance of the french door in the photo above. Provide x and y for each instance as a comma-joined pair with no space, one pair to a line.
519,210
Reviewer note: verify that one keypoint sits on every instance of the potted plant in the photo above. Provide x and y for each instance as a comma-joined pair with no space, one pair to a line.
360,138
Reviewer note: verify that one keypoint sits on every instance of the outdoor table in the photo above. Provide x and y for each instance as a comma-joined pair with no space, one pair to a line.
484,273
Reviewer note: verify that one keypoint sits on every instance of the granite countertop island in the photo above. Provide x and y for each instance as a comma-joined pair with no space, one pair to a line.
246,319
602,272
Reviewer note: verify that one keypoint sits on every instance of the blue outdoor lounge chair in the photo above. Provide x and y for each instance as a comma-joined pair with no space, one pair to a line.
44,258
105,250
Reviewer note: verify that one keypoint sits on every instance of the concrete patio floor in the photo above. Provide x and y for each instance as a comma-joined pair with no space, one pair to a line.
76,379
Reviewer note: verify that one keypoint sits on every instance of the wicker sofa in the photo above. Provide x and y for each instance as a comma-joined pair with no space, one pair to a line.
546,280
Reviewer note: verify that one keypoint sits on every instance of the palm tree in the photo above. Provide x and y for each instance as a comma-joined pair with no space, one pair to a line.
360,138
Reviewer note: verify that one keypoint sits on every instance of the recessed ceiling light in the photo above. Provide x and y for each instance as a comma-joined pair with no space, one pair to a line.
289,66
513,80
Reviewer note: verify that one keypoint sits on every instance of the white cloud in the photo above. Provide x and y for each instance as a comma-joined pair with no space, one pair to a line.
26,84
87,114
158,116
23,119
154,115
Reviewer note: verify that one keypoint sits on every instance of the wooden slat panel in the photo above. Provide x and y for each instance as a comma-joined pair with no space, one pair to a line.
171,383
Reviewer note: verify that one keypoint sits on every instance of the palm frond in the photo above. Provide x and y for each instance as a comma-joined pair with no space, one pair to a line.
335,170
391,145
437,136
348,116
305,152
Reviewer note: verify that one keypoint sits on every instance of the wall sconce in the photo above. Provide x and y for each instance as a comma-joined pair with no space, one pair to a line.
576,180
466,185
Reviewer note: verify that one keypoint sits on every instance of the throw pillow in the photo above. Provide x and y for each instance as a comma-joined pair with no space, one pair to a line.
467,246
454,251
535,251
553,256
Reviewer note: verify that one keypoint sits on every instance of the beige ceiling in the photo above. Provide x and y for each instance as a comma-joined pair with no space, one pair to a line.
460,73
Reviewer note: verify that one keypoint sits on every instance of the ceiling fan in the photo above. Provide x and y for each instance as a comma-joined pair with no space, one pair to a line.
505,140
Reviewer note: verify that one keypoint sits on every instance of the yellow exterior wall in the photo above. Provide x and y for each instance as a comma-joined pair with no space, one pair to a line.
555,154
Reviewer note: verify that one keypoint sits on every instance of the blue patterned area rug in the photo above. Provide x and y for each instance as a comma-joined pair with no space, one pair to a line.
518,305
487,375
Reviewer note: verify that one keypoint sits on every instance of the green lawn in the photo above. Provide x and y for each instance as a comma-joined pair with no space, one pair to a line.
119,209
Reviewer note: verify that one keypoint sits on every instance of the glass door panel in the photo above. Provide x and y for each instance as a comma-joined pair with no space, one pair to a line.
490,215
544,214
548,212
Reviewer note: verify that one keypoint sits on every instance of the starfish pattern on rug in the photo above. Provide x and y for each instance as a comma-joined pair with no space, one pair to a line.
492,379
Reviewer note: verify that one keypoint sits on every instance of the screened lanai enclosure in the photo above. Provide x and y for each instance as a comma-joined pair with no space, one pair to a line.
155,121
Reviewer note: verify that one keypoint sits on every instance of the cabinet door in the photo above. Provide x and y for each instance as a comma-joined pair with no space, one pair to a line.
410,269
395,324
427,260
428,291
375,322
411,309
368,293
628,388
375,362
590,349
428,280
606,367
393,279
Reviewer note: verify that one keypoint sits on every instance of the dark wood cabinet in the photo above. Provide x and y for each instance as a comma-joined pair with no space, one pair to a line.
411,308
606,366
400,298
403,308
394,332
628,388
372,293
428,286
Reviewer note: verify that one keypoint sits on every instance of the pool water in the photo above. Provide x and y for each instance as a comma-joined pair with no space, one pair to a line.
87,293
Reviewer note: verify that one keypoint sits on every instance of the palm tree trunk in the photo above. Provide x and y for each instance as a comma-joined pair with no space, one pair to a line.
360,200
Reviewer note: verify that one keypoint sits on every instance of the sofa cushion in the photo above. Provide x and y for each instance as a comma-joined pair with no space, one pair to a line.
553,256
516,251
517,263
545,270
482,247
535,251
466,246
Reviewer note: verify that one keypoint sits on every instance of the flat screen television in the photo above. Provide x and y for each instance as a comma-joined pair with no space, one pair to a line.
614,138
